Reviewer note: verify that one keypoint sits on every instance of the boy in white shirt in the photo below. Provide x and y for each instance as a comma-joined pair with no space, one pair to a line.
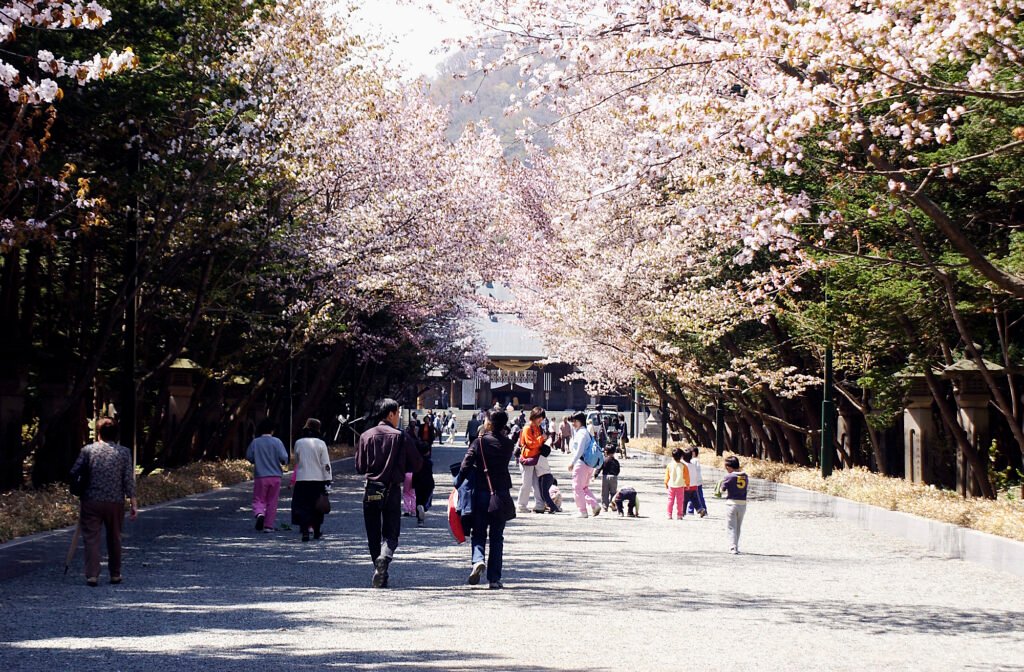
696,503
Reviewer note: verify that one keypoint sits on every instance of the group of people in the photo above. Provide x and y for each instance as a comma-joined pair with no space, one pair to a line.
433,426
684,484
311,477
395,462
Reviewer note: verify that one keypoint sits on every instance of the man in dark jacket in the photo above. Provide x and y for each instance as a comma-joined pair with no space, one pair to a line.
385,455
472,429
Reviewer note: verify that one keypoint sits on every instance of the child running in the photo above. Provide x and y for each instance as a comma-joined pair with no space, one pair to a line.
677,478
734,486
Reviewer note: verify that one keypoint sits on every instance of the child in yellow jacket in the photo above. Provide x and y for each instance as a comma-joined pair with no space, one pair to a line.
677,479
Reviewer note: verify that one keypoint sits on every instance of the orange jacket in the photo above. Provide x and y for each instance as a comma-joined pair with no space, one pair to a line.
531,440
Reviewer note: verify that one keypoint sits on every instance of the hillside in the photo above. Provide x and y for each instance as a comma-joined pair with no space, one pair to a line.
492,93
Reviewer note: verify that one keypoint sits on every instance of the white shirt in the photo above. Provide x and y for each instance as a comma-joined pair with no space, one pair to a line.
312,461
695,476
579,442
542,468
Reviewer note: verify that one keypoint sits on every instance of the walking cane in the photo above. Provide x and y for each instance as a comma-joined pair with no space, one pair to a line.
73,548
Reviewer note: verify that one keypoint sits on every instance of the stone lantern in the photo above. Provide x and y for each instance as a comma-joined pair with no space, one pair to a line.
181,387
919,432
972,398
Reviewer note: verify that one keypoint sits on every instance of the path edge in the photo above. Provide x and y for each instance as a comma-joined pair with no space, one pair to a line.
954,542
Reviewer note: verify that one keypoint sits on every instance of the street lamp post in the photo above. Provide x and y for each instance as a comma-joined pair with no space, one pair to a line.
828,418
719,426
664,424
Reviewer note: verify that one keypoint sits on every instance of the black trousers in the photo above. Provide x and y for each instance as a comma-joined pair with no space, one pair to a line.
382,514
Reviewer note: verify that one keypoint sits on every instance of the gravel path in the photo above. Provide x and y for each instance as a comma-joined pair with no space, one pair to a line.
203,591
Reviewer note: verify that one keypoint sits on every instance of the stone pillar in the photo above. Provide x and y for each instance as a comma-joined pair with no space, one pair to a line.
842,435
974,418
972,398
180,388
918,438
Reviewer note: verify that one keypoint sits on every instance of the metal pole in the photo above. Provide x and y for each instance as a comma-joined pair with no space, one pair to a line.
128,419
291,402
720,427
828,406
664,424
828,419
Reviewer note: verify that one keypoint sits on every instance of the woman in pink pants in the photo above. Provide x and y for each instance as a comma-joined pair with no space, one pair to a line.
267,454
581,472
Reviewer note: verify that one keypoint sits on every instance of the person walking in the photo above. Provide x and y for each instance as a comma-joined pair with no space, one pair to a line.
609,473
582,443
472,428
623,435
530,441
384,455
452,428
565,433
267,453
312,478
734,487
486,465
111,480
423,484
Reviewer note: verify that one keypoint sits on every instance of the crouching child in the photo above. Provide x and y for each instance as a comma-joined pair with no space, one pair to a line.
626,499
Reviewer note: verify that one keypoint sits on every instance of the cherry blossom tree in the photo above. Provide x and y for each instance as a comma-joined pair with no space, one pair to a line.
746,125
30,78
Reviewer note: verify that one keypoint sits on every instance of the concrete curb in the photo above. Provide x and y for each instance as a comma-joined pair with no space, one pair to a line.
948,540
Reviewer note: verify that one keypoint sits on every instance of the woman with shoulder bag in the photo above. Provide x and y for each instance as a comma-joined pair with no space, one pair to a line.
311,478
530,441
583,444
486,462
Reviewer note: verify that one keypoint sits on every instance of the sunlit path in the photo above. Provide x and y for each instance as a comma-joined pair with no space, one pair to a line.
203,591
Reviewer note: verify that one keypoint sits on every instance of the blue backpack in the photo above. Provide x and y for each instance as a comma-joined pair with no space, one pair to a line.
592,456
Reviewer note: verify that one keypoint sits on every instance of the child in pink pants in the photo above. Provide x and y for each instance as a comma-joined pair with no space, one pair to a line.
677,479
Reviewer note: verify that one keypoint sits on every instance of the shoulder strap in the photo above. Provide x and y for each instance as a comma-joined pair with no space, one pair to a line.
483,459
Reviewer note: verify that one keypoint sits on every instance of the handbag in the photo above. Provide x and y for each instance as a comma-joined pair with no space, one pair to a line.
323,504
80,479
501,504
455,518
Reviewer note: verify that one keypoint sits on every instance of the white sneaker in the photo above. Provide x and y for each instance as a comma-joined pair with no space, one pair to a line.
474,576
582,514
523,509
734,550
